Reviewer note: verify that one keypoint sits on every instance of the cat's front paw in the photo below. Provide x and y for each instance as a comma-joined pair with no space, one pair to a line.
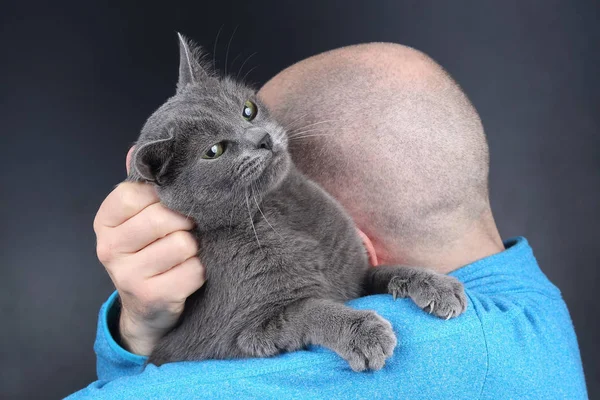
441,295
367,342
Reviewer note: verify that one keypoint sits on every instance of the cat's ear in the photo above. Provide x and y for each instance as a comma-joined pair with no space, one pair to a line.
190,66
150,160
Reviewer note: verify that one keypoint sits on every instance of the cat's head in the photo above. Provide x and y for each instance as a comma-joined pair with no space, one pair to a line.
212,150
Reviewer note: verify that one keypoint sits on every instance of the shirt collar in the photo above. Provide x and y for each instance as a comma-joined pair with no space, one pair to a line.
515,268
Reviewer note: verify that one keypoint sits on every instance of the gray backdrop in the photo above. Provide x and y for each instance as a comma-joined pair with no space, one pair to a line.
78,80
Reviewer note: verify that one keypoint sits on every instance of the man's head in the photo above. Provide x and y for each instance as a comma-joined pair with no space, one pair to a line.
388,133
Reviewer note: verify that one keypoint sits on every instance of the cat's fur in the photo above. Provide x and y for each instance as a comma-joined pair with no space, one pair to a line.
276,277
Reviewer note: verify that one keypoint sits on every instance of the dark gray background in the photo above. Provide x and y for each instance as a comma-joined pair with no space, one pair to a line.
77,81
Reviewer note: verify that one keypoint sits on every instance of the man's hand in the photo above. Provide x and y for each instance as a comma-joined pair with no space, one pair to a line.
151,259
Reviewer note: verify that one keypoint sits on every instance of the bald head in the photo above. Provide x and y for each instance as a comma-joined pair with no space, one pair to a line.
388,133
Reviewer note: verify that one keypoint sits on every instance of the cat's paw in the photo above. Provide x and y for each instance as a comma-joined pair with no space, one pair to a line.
367,342
437,294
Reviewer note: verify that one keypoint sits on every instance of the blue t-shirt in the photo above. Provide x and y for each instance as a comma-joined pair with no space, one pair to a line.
514,341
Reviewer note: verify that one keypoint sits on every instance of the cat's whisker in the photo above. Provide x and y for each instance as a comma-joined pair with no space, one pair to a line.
289,125
308,136
215,47
308,131
319,133
303,128
235,59
264,216
324,132
244,63
229,44
314,124
250,70
251,221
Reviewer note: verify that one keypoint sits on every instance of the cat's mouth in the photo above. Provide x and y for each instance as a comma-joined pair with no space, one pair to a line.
274,161
251,168
261,168
254,168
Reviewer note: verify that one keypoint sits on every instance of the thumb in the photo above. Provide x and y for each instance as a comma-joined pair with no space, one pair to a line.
128,158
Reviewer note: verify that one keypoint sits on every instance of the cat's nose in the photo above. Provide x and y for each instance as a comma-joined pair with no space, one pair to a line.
265,143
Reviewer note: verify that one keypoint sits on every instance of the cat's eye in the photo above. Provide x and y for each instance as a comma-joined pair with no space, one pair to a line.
215,151
250,110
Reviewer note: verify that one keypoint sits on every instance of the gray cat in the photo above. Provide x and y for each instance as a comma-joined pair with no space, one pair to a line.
281,255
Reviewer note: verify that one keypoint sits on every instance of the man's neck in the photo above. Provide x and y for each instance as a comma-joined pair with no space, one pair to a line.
481,240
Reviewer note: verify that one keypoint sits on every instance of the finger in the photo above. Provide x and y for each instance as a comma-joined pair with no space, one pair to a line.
179,282
128,159
152,223
163,254
127,200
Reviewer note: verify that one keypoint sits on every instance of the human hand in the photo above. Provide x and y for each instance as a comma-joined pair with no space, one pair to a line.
152,260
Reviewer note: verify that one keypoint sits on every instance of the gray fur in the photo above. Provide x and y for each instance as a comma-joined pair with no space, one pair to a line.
276,276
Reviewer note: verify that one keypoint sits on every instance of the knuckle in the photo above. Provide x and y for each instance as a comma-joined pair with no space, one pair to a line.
128,200
185,242
199,269
157,221
104,252
197,263
176,296
178,299
195,277
96,224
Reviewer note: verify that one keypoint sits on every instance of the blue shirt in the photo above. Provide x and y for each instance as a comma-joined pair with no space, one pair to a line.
514,341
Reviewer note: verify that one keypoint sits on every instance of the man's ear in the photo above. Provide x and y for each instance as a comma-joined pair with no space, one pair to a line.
369,247
150,160
190,67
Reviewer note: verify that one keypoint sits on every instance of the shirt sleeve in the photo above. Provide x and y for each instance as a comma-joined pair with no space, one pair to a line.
112,360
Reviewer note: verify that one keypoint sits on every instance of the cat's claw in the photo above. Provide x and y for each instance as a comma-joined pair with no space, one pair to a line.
431,307
437,294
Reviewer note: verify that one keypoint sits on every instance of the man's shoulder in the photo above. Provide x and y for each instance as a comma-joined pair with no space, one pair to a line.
529,336
413,325
515,339
425,364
